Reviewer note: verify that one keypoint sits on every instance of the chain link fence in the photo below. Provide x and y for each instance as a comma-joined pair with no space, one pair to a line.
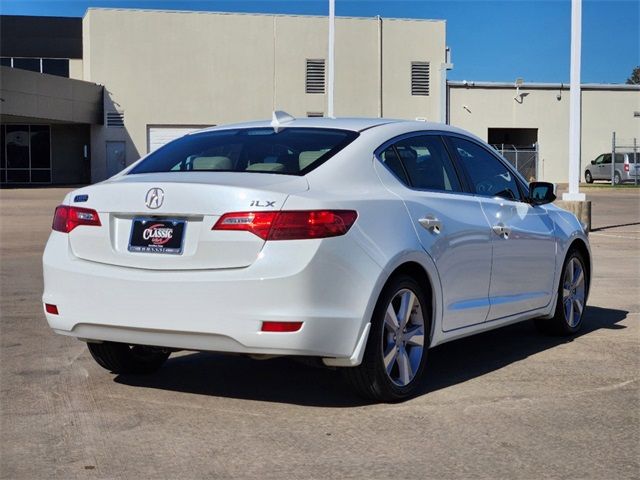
626,167
524,159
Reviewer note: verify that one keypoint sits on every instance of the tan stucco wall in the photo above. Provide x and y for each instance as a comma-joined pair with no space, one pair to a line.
76,69
603,111
172,68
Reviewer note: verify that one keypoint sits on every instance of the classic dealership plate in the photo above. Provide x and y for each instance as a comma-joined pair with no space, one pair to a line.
154,235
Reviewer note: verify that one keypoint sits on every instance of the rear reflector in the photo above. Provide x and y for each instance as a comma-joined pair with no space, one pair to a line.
289,225
52,309
67,218
281,326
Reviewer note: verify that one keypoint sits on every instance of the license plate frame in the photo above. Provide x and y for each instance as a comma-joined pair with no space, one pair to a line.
157,241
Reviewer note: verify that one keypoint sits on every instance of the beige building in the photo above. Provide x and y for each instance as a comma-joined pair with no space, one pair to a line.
502,113
108,88
168,72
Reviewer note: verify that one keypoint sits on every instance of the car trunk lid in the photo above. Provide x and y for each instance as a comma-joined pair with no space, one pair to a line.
177,203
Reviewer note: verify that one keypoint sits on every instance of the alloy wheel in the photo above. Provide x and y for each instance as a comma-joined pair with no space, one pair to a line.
573,292
403,337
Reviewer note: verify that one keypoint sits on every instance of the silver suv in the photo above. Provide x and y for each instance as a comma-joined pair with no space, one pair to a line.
625,168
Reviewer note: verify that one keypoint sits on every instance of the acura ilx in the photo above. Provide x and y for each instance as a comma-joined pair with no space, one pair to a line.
361,242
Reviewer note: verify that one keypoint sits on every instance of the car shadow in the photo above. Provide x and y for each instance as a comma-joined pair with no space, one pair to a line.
285,380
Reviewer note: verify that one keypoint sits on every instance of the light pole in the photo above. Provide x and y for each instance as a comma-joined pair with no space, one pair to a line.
330,55
574,105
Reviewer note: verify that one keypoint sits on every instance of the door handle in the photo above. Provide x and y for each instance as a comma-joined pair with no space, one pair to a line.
431,223
501,230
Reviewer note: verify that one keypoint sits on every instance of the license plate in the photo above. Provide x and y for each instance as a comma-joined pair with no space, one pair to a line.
153,235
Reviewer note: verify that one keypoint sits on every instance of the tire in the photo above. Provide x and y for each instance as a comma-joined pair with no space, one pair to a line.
123,358
587,177
616,178
406,348
572,294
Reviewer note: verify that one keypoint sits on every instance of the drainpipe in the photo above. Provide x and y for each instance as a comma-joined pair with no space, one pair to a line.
379,66
444,88
331,55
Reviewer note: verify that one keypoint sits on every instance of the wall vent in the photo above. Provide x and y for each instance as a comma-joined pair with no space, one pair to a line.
315,114
115,119
419,78
315,76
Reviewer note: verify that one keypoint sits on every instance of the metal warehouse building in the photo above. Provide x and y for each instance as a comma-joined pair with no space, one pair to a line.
82,98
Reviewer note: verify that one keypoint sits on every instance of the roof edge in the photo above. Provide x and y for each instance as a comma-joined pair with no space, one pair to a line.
542,86
260,14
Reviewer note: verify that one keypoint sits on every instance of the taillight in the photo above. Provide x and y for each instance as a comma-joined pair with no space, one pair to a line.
289,225
626,167
67,218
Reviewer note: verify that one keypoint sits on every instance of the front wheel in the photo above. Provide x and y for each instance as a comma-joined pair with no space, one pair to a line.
572,294
123,358
396,351
587,177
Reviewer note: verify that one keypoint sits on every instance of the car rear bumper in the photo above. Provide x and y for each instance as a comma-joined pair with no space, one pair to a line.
326,284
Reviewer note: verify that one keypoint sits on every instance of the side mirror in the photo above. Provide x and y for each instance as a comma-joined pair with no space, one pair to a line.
541,193
593,162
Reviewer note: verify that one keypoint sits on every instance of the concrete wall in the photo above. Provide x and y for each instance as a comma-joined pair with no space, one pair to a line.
478,108
173,68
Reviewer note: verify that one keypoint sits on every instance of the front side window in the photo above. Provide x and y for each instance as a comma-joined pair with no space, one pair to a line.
427,164
599,160
292,151
489,176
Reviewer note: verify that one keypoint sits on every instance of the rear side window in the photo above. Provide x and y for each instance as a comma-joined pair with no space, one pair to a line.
422,162
290,151
489,176
427,164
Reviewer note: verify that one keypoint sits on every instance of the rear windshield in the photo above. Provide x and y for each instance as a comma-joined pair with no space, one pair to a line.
291,151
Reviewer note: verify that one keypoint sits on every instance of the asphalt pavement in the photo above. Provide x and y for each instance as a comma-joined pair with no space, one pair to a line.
506,404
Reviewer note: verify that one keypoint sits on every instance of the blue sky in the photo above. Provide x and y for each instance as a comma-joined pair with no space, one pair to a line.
490,40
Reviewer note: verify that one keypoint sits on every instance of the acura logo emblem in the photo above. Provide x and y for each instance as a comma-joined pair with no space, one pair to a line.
154,198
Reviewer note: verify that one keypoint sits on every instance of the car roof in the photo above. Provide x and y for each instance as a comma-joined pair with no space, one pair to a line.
356,124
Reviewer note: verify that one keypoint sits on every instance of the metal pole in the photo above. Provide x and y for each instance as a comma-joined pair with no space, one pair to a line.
613,157
635,161
332,27
574,105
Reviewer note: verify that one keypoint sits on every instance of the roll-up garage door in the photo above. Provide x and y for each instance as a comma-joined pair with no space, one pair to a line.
158,136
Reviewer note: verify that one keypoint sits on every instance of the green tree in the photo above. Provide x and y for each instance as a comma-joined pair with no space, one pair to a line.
634,79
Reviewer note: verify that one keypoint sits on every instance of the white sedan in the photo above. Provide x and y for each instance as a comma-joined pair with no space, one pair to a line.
362,242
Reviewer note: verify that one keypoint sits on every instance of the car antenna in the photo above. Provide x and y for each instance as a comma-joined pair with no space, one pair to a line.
278,118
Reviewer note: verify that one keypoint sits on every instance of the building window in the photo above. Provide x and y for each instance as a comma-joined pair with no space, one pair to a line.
419,78
51,66
315,114
26,154
56,66
115,119
32,64
315,76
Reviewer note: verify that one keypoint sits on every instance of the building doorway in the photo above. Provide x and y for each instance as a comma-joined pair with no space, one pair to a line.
116,157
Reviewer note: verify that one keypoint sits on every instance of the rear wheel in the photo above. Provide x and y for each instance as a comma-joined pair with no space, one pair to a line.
571,303
123,358
587,177
616,179
396,351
